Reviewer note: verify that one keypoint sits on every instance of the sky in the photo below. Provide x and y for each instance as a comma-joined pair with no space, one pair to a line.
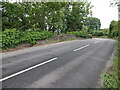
104,12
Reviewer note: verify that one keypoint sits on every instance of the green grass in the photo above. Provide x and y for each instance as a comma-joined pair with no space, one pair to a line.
111,78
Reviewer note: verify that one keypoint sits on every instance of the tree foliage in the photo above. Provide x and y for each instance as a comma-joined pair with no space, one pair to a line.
93,23
113,29
52,16
26,22
13,37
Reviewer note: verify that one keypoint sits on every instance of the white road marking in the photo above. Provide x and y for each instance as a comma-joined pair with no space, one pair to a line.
96,41
81,47
35,66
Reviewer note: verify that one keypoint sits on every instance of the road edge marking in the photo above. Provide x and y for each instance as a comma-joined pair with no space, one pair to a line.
28,69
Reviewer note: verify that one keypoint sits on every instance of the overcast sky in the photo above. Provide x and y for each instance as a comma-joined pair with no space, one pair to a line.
104,12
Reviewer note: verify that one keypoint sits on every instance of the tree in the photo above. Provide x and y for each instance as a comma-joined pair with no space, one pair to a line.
52,16
76,14
113,29
93,23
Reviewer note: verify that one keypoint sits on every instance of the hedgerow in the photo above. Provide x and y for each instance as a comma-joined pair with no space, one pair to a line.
82,34
12,37
97,33
79,34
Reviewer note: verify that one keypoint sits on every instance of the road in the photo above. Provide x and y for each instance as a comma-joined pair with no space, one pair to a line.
70,64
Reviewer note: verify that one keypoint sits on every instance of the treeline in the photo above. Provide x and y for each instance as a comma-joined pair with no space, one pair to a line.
28,22
52,16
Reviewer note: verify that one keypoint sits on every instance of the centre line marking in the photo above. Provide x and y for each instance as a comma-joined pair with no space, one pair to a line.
96,41
35,66
81,48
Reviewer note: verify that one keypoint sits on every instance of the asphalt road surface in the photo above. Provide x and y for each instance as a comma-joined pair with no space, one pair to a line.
70,64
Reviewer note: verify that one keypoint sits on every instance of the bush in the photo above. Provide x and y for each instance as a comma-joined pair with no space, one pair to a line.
89,36
33,42
100,33
13,37
111,77
97,33
29,36
10,38
79,34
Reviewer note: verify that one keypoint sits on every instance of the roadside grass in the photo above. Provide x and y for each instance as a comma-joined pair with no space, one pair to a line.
111,77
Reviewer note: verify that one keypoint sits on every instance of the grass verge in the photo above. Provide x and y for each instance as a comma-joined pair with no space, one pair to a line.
111,77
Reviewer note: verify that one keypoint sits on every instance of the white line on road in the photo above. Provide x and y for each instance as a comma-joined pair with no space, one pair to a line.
35,66
96,41
81,47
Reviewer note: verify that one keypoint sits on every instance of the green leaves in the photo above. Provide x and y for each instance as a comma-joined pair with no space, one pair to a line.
81,34
93,23
97,33
31,19
13,37
111,77
53,16
113,29
9,38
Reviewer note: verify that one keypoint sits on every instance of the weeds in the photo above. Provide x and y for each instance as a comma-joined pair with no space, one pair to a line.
111,78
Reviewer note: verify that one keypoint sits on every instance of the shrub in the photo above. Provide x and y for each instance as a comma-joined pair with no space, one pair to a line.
33,42
10,38
89,36
97,33
79,34
111,77
13,37
35,35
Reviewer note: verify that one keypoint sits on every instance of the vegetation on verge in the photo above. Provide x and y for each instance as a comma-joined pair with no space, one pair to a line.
13,37
28,22
111,78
